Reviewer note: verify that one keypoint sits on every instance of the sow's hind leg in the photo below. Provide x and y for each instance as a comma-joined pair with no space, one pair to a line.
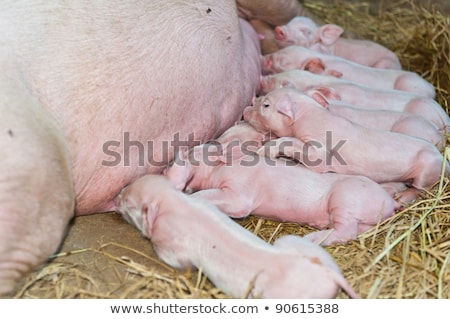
36,189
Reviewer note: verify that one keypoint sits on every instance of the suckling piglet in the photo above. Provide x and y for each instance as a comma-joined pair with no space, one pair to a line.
329,143
284,191
327,39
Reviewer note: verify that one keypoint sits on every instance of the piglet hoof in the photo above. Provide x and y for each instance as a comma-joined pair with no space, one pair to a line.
322,238
407,197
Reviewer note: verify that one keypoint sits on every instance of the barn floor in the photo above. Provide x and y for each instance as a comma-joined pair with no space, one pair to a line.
105,257
91,240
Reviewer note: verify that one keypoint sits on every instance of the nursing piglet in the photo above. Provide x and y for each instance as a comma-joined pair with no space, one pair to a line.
393,121
360,95
303,31
310,129
387,120
284,191
297,57
189,232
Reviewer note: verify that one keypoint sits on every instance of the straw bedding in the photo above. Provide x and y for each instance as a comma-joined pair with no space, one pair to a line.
407,256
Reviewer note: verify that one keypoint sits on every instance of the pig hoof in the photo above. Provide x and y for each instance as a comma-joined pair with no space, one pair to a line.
407,197
321,238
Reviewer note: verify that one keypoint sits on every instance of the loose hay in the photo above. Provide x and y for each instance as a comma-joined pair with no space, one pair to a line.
407,256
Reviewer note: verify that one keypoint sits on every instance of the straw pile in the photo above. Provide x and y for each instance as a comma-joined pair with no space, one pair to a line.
408,256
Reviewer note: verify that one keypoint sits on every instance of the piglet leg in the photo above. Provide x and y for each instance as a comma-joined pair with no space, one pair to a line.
234,205
339,234
311,154
348,223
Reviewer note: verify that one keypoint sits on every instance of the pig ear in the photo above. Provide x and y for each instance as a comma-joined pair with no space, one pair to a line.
314,65
328,92
286,107
330,33
334,73
318,97
179,172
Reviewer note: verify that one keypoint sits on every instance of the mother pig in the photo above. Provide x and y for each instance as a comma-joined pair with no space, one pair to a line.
89,88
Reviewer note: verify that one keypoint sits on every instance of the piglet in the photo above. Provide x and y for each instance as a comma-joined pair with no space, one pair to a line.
284,191
310,129
303,31
360,95
393,121
189,232
297,57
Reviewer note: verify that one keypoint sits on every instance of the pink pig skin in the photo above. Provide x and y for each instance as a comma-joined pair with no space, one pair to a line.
297,57
283,191
242,132
360,95
327,39
189,232
393,121
242,138
380,155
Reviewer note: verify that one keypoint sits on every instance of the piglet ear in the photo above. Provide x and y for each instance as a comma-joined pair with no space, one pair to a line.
179,172
328,92
314,65
286,107
330,33
318,97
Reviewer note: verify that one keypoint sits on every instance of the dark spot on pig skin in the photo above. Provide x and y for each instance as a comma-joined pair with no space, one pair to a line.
10,133
214,247
208,11
316,261
229,38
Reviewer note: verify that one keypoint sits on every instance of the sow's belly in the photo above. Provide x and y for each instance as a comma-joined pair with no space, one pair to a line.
130,82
